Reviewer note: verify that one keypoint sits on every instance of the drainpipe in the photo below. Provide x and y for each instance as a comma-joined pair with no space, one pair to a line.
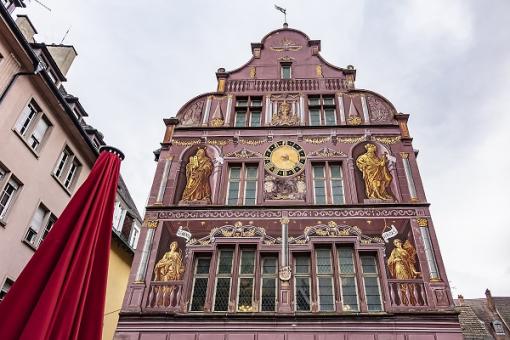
40,66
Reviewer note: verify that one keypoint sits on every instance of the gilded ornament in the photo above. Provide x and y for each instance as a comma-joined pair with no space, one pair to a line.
354,120
422,222
151,224
404,155
284,220
388,140
252,141
170,267
401,265
219,141
318,70
326,153
198,170
216,122
284,116
186,141
253,72
376,175
352,140
243,153
286,45
317,140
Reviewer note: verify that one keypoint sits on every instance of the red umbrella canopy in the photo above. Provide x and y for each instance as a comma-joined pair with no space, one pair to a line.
61,292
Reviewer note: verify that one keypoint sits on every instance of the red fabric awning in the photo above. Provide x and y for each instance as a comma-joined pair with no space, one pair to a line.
61,292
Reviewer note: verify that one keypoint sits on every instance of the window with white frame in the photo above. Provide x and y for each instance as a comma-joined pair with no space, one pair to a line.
10,187
33,126
6,286
134,235
67,168
322,110
328,187
40,225
242,184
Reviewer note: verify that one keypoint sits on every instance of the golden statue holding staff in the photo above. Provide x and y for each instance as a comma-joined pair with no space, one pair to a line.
198,170
401,265
376,175
170,267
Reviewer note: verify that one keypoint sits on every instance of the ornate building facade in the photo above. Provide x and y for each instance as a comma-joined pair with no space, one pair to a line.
288,204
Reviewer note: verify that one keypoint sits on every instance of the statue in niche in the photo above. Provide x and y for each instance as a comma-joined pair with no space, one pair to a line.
401,265
376,175
198,170
170,267
284,116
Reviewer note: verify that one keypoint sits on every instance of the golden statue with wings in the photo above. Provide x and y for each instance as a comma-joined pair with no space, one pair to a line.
401,265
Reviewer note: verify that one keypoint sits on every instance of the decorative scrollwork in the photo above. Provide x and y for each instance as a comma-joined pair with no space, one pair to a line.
332,229
252,141
238,230
388,140
186,141
219,141
243,153
317,140
352,140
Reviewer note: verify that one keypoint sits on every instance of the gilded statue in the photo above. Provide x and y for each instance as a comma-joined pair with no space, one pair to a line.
170,267
401,265
198,170
284,116
376,175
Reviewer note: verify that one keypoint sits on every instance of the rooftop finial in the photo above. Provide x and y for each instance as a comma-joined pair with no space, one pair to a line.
284,11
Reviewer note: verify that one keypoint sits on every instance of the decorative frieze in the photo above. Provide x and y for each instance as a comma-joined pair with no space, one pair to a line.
243,153
291,213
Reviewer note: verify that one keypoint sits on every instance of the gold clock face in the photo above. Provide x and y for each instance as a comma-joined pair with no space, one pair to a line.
284,158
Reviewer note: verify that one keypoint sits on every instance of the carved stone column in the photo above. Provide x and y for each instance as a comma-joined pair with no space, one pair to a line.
285,273
409,176
144,257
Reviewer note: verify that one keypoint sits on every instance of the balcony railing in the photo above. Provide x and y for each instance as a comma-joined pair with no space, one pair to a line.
165,295
407,293
287,85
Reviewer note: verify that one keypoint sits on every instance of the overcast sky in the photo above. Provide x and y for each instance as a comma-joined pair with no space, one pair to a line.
445,62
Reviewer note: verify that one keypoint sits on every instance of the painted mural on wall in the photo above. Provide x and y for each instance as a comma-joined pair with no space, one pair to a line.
198,171
376,175
380,112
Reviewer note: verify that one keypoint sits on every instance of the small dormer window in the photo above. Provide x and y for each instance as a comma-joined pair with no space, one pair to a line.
498,327
286,71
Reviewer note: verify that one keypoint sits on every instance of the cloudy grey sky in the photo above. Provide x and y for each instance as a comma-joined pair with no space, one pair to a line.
446,62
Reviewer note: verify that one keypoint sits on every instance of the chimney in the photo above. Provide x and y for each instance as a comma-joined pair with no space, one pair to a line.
490,300
461,300
63,55
25,26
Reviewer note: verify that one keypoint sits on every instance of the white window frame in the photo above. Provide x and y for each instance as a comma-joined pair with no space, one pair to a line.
134,235
9,179
64,168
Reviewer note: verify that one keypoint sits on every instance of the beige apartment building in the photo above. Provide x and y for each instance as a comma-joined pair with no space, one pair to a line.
46,152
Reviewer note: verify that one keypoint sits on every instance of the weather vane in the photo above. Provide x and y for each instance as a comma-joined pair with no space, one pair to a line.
284,11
